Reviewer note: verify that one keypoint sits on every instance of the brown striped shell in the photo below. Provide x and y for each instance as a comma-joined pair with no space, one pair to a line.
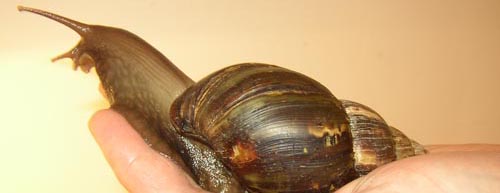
280,131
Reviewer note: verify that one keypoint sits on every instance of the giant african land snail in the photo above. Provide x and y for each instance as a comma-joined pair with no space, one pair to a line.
248,127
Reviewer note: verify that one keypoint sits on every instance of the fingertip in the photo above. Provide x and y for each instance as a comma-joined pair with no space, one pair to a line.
103,119
109,128
97,119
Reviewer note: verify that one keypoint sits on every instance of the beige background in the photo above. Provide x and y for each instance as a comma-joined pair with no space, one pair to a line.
430,68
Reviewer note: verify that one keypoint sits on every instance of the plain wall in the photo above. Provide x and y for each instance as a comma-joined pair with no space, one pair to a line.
430,68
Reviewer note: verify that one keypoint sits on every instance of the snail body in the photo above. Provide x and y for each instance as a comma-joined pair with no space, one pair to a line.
245,128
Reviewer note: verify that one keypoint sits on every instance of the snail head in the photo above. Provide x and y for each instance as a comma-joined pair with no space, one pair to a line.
96,43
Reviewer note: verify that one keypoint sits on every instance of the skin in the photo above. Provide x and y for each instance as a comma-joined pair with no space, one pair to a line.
135,164
447,168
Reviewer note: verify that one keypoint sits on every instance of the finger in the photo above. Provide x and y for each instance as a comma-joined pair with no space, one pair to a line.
138,167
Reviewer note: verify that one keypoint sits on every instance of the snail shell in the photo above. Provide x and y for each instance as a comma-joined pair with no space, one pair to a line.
280,131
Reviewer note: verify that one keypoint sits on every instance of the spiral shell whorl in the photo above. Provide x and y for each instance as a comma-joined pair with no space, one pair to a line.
374,142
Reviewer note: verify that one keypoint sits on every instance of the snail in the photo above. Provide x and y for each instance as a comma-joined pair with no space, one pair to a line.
246,128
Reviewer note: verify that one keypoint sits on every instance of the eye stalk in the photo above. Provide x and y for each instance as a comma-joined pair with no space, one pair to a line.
79,57
78,27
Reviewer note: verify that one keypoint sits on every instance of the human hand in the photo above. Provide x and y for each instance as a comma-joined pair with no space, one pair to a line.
445,169
139,168
453,168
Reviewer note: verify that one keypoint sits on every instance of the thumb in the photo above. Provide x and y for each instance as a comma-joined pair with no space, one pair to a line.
137,167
